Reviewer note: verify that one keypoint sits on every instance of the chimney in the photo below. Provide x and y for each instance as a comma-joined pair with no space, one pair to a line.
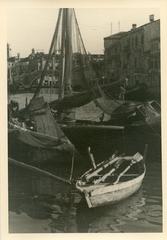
134,25
18,56
151,18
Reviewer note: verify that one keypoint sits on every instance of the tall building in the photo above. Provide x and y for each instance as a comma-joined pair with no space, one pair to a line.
135,56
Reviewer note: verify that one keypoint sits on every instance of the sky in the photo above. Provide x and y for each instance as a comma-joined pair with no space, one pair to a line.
29,28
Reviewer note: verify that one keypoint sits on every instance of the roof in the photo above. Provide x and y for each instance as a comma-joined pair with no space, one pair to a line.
24,59
120,34
116,35
158,20
12,59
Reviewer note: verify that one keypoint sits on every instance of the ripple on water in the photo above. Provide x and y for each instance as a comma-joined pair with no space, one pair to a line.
64,213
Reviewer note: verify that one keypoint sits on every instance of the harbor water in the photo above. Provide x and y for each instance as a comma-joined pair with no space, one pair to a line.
39,204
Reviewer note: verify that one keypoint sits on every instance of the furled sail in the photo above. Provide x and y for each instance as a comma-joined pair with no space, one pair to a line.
76,80
71,63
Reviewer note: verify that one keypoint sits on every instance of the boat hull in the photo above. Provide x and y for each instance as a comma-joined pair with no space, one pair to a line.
104,194
21,145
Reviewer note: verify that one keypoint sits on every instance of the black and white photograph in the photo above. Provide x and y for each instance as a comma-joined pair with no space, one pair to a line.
84,120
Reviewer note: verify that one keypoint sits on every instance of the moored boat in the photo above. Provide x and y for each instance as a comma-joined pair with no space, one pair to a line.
112,181
78,88
39,138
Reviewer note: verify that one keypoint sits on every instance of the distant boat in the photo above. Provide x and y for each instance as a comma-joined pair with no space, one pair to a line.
71,63
77,81
112,181
78,86
147,114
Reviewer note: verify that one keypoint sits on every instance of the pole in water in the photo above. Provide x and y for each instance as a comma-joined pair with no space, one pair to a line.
91,158
145,152
26,103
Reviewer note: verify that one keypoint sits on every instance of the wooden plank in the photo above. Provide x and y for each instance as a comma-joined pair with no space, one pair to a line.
94,173
93,127
104,166
119,186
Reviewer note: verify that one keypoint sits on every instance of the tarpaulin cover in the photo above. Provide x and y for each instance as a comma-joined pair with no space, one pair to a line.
47,133
38,140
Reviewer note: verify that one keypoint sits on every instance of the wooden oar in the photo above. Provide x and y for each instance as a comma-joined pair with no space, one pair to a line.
104,166
102,179
92,158
94,173
117,165
136,158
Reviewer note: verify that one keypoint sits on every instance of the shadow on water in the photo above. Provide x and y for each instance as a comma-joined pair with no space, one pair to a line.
38,203
110,218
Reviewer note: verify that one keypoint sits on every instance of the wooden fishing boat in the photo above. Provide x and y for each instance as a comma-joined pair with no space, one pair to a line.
69,57
78,87
39,138
113,180
131,112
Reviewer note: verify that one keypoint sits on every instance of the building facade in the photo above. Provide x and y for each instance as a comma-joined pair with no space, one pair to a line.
135,56
25,72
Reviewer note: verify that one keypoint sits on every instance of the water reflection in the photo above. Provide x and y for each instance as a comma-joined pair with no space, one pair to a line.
112,218
40,204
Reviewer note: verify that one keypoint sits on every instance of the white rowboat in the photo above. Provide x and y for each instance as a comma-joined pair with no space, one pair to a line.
112,191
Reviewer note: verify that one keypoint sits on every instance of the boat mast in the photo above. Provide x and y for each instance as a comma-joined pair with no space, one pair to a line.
66,54
64,30
62,57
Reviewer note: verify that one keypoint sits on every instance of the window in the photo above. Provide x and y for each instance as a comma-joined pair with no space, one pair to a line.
135,62
132,42
142,38
156,106
136,41
128,43
149,63
156,63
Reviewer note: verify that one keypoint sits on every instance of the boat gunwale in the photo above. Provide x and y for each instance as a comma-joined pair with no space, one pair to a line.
19,128
112,187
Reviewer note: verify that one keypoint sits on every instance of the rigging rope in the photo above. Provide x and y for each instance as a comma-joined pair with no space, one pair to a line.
72,165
